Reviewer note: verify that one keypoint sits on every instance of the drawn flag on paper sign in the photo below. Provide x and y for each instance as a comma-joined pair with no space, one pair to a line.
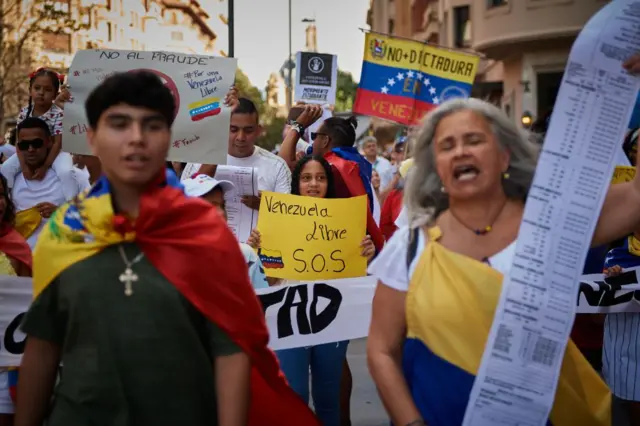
204,108
402,80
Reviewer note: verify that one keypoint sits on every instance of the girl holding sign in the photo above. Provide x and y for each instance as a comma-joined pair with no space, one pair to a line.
312,177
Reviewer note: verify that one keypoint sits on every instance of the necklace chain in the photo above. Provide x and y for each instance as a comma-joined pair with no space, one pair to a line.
125,259
128,277
486,229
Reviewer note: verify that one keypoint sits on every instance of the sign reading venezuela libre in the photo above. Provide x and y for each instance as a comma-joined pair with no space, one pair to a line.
402,80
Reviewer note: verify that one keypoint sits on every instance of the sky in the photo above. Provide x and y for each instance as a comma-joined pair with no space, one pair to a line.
262,32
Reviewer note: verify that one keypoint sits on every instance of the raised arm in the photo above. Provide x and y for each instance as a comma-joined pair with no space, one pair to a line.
310,114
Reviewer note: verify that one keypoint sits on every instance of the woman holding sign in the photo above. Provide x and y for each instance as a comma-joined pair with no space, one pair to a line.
440,280
312,177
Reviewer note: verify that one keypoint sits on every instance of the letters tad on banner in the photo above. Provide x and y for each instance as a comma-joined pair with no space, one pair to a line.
316,78
198,84
317,313
306,238
402,80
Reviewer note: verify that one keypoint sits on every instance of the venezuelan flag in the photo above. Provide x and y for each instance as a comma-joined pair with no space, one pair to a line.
450,307
402,80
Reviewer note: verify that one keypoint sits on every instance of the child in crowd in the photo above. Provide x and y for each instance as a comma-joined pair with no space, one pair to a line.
44,89
213,191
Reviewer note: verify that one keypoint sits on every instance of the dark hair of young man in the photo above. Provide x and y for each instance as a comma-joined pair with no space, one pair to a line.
137,88
246,106
341,130
34,123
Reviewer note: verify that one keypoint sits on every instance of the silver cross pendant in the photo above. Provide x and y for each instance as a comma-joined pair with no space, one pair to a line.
128,278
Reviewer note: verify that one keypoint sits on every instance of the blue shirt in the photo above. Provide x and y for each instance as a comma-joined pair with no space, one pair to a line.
256,270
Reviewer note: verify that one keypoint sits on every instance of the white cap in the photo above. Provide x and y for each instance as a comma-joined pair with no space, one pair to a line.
202,184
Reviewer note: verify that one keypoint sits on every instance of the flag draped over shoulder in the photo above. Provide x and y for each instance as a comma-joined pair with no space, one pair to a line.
14,245
450,307
402,80
348,172
172,230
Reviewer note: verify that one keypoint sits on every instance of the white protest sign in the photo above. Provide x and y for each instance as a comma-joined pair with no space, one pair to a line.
600,295
198,83
16,294
296,315
316,78
308,314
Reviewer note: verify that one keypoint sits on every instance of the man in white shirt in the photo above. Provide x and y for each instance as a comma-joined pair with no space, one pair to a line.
380,164
245,129
37,199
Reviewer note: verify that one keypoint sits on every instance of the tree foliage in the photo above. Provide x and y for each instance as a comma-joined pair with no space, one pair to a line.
272,124
249,91
23,23
345,91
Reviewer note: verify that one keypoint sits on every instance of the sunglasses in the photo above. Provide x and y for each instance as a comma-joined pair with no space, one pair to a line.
24,145
314,135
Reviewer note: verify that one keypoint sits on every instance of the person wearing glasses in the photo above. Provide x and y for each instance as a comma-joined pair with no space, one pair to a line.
36,199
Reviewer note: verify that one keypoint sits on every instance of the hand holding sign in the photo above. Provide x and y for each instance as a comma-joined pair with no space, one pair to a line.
305,238
200,85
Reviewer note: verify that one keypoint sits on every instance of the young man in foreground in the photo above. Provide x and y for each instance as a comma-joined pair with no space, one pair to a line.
154,320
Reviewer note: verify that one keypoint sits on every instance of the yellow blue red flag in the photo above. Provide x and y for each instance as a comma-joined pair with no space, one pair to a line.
402,80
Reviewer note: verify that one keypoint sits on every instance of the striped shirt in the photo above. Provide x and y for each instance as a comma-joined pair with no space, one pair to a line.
621,348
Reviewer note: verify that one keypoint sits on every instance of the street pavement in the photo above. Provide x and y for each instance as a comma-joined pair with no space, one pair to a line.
366,408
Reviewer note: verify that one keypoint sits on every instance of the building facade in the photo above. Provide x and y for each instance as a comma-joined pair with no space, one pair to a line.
171,25
524,44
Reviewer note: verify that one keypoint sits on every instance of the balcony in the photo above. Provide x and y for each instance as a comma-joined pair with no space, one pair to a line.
502,27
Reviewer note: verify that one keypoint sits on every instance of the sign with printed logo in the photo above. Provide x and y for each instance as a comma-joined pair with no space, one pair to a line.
197,83
316,78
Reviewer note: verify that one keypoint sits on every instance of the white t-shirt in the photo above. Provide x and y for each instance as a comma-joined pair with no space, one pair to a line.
385,170
28,193
390,267
84,172
273,172
7,150
403,218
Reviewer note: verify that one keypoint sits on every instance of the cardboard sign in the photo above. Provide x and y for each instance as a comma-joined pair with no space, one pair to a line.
317,78
198,83
307,238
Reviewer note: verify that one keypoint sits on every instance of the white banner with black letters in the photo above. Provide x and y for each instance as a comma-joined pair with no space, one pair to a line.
297,315
308,314
600,295
316,78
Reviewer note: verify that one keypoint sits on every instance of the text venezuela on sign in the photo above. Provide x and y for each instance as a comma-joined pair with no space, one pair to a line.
402,80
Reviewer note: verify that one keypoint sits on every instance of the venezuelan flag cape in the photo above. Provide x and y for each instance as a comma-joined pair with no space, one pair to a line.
348,173
27,221
15,246
402,80
627,256
449,311
172,230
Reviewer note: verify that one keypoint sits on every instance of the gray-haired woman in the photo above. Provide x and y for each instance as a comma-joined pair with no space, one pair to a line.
439,282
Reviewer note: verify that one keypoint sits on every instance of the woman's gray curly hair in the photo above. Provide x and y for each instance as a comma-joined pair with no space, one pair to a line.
423,195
